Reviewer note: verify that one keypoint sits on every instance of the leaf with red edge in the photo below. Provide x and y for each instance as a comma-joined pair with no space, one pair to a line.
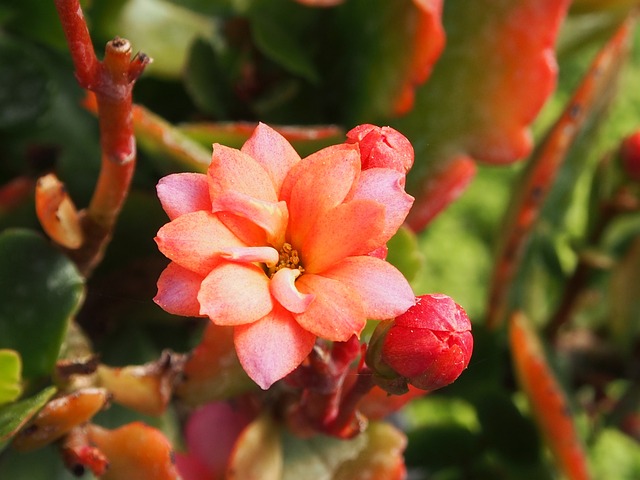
442,187
548,403
389,49
495,74
543,167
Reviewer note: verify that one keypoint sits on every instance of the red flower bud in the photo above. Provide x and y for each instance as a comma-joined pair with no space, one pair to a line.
382,147
428,346
630,155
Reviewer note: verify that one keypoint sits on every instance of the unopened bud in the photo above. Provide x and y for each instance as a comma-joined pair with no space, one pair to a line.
428,346
382,147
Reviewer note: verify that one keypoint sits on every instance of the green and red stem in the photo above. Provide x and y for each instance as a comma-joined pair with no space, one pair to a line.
112,82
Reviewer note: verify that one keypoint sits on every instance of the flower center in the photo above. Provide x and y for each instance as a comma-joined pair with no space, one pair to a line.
289,258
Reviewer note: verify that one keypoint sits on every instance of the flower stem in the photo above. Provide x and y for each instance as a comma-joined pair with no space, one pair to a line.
112,82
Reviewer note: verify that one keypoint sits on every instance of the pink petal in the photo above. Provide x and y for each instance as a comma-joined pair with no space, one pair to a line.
235,294
272,217
192,468
182,193
318,184
234,171
216,424
353,228
178,291
266,255
336,313
284,290
386,186
195,240
273,152
272,347
384,291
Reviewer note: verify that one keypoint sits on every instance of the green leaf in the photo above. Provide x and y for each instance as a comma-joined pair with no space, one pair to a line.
507,431
274,40
318,457
404,253
616,456
207,81
15,415
39,291
163,31
376,41
25,93
10,367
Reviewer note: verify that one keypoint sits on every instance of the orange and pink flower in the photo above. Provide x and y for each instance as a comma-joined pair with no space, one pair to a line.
283,249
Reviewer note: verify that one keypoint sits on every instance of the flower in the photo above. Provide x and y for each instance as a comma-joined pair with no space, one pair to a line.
428,346
279,248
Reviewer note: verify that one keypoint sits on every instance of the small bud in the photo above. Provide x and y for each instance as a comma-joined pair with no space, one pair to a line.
630,155
382,147
428,346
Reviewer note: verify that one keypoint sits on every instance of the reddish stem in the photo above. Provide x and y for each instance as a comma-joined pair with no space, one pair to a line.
349,421
79,40
112,82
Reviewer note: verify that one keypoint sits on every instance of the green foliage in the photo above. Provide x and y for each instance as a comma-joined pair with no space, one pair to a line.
25,94
279,61
10,370
615,455
13,416
405,254
39,292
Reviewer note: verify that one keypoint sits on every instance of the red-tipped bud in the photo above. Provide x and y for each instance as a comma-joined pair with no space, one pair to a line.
630,155
382,147
428,346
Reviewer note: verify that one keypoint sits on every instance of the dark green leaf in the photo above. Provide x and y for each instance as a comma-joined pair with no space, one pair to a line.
506,430
440,446
274,41
25,92
207,81
39,291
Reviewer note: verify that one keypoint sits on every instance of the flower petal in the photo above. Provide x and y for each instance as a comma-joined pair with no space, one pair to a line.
272,217
384,291
386,186
317,184
234,171
284,290
272,347
353,228
273,152
267,255
195,240
182,193
235,294
219,424
178,291
336,313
